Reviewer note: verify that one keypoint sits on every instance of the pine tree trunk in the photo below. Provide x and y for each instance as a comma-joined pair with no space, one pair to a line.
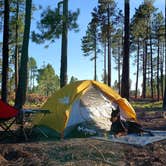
16,48
23,72
137,75
63,70
105,77
161,71
5,53
125,70
164,100
95,62
158,54
145,74
119,67
108,49
151,62
144,70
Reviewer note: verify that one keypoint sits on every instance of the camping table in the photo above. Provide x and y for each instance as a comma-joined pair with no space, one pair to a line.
25,116
27,112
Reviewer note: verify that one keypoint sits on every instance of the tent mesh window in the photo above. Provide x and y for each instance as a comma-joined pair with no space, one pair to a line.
99,107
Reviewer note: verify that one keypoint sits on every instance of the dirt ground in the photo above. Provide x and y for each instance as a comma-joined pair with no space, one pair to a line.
88,151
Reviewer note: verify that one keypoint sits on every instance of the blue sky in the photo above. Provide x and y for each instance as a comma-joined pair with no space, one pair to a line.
78,65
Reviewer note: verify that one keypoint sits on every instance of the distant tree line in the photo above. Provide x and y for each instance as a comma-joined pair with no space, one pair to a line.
110,34
106,36
19,73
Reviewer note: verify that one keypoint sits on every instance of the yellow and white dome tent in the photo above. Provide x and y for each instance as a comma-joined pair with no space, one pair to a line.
82,101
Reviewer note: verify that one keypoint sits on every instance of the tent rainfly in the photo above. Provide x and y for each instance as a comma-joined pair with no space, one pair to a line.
82,102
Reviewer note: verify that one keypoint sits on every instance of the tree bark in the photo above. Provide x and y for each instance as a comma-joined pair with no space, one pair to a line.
63,69
158,54
5,52
137,75
144,70
119,55
125,70
161,71
23,72
95,62
105,74
151,62
16,48
164,100
108,49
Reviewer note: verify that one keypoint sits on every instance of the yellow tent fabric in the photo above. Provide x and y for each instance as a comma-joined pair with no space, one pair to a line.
60,104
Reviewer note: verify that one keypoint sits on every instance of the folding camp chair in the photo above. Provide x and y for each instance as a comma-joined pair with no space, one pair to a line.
8,116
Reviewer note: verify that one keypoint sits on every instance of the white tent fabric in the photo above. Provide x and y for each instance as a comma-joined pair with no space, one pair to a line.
92,107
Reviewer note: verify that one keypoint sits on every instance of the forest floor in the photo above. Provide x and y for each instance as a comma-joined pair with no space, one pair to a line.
88,151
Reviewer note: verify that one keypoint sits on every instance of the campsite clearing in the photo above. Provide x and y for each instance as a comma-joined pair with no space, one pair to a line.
87,151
